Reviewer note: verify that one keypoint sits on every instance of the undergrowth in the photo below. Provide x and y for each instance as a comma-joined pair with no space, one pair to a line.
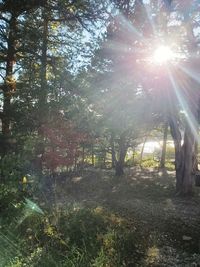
73,236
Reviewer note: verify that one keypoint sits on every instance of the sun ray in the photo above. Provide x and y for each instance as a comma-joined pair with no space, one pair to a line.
129,26
191,73
150,17
117,46
190,91
184,105
9,242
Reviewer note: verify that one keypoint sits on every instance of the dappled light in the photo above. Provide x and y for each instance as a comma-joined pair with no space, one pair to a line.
99,133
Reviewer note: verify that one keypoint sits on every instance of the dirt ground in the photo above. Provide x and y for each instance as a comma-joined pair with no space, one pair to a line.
146,198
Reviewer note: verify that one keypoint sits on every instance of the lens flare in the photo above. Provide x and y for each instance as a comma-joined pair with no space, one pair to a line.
162,55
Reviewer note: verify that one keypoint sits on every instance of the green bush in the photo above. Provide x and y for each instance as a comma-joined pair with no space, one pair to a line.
170,153
13,167
149,163
170,165
78,237
11,200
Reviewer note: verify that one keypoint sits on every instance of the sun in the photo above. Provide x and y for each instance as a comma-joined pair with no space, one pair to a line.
162,55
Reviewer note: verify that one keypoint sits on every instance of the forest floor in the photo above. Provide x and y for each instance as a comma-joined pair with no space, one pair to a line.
147,199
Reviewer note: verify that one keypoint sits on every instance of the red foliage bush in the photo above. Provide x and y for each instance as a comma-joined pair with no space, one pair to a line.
62,142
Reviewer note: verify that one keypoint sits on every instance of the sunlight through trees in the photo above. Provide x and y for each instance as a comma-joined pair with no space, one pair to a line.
85,87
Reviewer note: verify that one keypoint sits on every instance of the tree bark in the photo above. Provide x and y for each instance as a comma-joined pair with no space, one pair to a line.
112,144
176,135
83,155
75,160
92,154
142,150
195,158
185,157
119,169
188,162
42,104
9,85
119,166
43,72
104,160
163,155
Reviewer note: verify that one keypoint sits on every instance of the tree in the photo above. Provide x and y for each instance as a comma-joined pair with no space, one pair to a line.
35,44
164,145
161,27
186,152
11,11
119,106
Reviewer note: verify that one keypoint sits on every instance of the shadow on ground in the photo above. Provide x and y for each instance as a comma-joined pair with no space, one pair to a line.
145,197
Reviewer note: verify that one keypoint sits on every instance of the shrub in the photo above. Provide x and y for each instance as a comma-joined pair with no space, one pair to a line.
78,237
150,163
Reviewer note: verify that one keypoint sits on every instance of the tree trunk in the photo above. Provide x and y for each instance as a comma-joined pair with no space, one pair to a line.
75,160
176,135
142,150
112,144
119,166
119,169
133,155
42,104
83,155
163,155
92,154
9,86
104,160
185,156
195,158
187,162
43,72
